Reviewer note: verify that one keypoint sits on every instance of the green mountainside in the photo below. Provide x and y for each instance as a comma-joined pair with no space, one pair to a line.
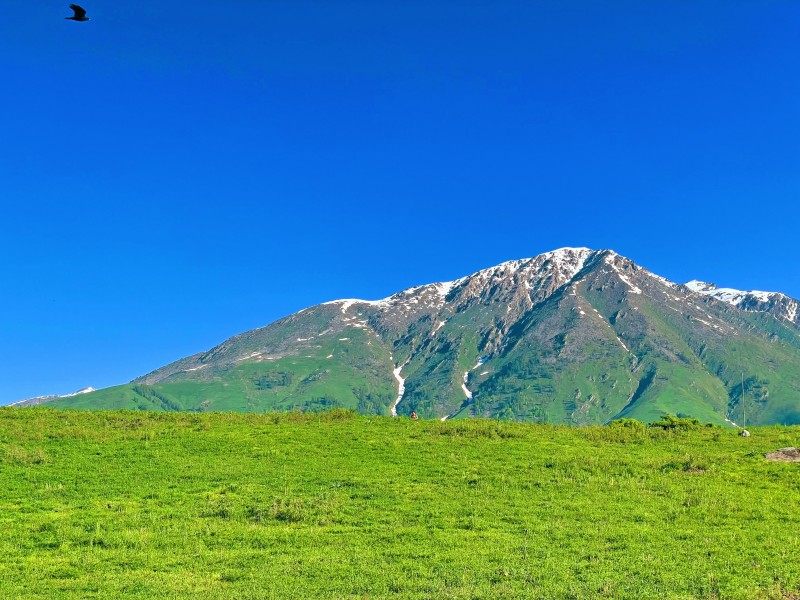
571,336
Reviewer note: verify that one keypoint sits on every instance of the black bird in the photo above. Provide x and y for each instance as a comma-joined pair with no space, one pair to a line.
80,14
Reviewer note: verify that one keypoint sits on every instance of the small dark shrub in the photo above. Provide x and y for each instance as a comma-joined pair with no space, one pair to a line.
628,424
676,423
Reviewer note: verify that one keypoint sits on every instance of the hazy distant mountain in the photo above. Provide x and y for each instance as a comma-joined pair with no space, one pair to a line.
50,398
571,336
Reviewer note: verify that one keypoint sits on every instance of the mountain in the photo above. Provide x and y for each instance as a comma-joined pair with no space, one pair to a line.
778,304
573,336
50,398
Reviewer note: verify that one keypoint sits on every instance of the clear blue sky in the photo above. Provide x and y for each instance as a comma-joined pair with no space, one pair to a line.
172,176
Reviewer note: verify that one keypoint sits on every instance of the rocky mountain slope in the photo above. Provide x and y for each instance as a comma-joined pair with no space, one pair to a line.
778,304
572,336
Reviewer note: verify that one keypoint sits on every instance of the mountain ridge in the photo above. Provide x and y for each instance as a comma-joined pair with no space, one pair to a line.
573,335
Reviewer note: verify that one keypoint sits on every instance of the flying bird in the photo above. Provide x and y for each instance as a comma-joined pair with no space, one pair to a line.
80,14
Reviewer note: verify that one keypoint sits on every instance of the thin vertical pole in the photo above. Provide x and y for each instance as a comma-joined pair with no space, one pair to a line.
744,414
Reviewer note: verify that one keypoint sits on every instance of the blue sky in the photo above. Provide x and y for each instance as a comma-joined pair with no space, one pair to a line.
172,176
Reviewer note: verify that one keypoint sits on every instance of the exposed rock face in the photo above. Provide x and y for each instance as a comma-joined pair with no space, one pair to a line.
778,304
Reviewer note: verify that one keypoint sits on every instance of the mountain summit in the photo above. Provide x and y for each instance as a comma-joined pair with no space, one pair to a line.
572,336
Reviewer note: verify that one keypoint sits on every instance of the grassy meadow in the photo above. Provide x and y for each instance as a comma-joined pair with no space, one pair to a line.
125,504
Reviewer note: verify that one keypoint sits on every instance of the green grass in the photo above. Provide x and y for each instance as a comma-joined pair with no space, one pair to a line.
334,505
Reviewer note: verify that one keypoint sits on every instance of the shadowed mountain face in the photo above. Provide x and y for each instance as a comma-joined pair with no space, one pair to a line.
571,336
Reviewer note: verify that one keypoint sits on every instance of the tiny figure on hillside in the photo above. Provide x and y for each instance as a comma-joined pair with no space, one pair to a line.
414,415
745,433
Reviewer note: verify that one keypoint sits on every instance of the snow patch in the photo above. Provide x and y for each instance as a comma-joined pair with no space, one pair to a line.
464,387
85,390
345,304
700,286
444,288
730,295
401,386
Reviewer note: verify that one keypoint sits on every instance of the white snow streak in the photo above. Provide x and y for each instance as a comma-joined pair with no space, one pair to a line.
704,322
464,388
627,281
663,280
401,386
350,301
85,390
607,324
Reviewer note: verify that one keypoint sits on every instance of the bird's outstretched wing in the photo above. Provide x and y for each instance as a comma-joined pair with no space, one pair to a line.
79,12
